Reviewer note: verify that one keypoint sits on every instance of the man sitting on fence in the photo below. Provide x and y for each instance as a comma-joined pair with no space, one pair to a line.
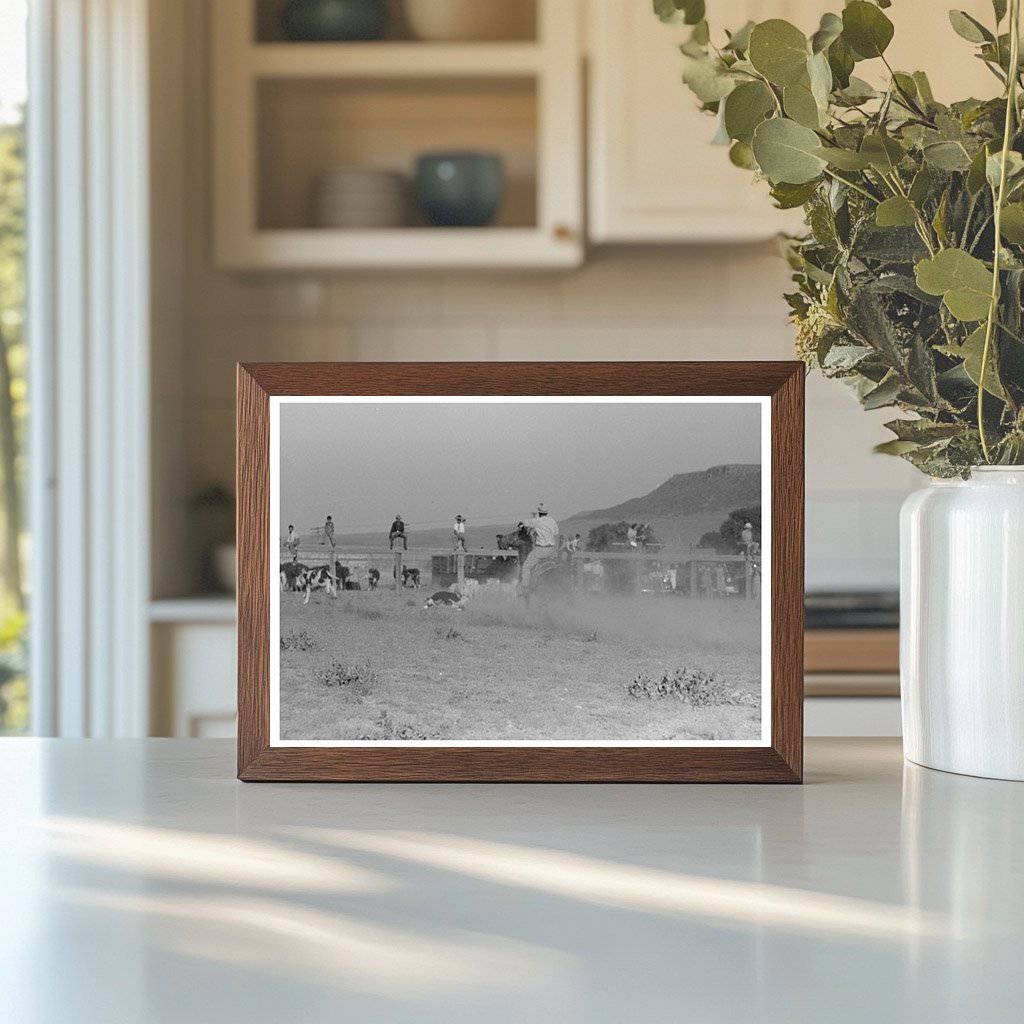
544,531
397,532
459,534
292,543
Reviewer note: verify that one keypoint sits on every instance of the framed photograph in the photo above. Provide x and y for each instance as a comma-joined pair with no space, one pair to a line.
578,572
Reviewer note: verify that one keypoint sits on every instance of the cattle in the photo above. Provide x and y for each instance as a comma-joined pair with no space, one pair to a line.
373,578
410,578
445,598
291,573
341,572
319,578
352,585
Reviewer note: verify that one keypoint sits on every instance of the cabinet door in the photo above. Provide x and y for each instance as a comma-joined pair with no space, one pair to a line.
654,177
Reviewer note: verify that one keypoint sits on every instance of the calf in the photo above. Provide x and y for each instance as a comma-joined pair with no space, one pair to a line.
410,578
373,578
318,579
445,598
291,573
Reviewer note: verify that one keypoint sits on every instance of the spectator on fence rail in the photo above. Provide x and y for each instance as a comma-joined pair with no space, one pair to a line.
329,532
397,532
292,543
747,536
631,535
459,534
544,533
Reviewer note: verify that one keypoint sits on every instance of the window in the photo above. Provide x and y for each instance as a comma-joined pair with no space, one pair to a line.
14,692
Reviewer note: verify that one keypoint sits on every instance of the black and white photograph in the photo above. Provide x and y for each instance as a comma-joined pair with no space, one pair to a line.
519,571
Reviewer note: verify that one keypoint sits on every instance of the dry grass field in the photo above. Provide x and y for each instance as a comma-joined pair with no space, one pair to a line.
377,665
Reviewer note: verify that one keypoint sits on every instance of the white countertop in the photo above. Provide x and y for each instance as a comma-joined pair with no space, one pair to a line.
140,882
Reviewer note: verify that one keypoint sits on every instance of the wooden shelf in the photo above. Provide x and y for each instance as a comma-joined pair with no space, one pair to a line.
318,248
393,60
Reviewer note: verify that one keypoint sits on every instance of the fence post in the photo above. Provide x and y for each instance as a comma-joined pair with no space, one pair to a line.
397,572
460,567
748,570
693,577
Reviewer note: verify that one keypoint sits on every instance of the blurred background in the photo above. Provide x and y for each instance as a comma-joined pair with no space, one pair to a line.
372,180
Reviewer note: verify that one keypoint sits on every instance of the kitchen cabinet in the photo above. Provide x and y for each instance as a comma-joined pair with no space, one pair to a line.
287,114
654,177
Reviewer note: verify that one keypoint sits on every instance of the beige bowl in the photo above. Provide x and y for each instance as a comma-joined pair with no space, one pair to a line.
362,198
471,20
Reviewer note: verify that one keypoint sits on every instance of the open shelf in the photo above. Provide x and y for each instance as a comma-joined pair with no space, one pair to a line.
309,127
286,114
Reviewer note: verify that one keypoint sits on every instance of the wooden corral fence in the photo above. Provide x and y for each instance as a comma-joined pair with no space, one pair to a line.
689,562
397,557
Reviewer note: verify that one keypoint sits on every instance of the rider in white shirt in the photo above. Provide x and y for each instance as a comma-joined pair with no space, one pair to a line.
544,530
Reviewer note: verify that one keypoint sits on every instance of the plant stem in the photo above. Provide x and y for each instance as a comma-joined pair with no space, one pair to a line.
1011,108
853,185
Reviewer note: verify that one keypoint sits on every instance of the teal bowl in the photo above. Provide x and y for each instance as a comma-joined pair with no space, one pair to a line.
334,21
460,190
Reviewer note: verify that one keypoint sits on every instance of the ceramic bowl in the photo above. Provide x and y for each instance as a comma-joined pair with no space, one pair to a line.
334,21
460,189
470,20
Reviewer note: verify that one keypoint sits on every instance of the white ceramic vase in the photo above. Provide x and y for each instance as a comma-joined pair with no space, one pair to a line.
962,624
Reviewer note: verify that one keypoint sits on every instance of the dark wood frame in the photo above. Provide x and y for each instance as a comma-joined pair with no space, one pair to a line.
782,761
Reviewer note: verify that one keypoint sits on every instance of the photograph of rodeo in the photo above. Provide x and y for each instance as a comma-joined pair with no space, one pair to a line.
637,621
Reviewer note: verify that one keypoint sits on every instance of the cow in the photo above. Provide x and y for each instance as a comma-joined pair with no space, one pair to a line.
291,573
410,578
341,572
373,578
319,578
445,598
351,585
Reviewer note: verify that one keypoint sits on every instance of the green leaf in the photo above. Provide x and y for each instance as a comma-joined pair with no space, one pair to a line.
829,30
993,167
801,106
895,212
779,51
969,28
1012,224
971,351
999,9
924,88
788,196
739,41
976,173
882,151
922,185
844,159
866,29
819,74
947,156
690,12
841,63
963,281
857,91
895,447
923,431
787,152
741,155
745,108
707,78
885,394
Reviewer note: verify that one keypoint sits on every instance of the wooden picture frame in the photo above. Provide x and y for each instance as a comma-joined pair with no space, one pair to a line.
780,759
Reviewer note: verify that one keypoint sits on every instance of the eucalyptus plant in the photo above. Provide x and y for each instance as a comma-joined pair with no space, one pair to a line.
910,277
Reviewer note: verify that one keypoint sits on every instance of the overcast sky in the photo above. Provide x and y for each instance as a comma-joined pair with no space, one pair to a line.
493,462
